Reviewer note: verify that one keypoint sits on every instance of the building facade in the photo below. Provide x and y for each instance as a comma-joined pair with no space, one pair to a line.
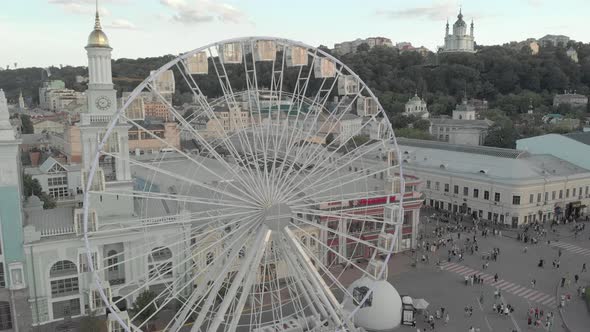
554,40
459,41
14,309
416,106
462,128
351,46
573,99
501,185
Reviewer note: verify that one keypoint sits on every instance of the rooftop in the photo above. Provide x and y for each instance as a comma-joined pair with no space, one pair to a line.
582,137
491,163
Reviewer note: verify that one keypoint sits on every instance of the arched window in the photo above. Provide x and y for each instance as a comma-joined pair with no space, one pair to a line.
113,260
63,277
63,268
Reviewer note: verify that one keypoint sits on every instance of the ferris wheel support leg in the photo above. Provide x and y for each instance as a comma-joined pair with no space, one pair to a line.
324,291
252,260
306,288
218,283
220,269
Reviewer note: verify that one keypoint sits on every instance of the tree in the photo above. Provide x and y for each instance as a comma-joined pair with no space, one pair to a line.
27,124
422,124
33,187
413,133
501,137
144,306
364,47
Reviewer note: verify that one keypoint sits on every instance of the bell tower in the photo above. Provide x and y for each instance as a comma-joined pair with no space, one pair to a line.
102,106
102,98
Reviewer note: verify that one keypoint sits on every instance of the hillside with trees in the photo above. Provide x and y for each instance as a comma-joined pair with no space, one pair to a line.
508,79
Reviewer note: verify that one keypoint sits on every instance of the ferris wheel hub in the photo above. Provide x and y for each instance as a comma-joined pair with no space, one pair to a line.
277,216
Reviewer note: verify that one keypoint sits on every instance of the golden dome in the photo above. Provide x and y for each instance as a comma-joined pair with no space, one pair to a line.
97,37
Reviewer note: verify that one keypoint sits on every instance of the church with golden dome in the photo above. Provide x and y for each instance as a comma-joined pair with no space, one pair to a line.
459,41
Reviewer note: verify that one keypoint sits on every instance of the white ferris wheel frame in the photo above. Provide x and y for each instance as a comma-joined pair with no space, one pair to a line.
137,91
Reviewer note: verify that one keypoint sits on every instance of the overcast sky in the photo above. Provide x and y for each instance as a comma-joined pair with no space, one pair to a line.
53,32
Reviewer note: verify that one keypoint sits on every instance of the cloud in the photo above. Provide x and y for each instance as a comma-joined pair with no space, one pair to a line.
202,11
436,11
121,24
535,3
84,7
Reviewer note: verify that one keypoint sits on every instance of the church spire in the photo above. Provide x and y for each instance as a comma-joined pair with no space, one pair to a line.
97,25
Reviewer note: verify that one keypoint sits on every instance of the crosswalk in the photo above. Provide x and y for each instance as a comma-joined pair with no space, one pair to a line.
529,294
571,248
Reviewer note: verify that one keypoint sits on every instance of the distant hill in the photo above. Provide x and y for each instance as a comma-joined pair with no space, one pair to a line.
509,79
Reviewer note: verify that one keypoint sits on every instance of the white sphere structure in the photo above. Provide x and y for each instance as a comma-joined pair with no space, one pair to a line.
279,176
381,311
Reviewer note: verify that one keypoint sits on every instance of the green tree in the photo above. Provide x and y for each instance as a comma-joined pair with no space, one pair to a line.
364,47
422,124
144,306
33,187
413,133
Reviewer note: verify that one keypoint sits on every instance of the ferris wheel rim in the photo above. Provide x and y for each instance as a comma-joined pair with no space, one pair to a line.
168,66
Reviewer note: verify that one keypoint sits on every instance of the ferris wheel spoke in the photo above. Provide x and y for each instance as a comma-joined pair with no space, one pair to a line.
168,145
170,197
252,259
146,249
229,97
211,114
329,171
331,304
217,261
359,214
319,101
181,178
216,286
335,252
343,158
323,159
310,293
326,271
220,159
318,181
338,233
146,224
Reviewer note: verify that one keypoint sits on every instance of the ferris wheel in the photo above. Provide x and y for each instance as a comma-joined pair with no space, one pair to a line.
269,191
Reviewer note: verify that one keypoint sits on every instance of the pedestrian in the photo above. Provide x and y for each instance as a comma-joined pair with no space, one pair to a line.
576,277
533,283
447,318
496,277
584,265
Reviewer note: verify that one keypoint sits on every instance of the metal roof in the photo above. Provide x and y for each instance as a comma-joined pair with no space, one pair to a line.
582,137
481,150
